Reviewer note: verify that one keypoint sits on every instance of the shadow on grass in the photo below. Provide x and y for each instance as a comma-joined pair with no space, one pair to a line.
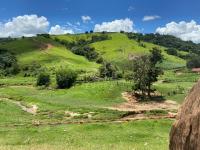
153,98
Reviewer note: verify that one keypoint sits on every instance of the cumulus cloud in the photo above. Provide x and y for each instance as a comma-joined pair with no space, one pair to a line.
86,19
187,31
150,18
27,25
115,26
58,30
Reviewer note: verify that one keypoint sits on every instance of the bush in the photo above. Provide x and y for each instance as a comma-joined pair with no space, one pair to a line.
65,78
172,51
194,62
43,79
87,51
8,63
108,70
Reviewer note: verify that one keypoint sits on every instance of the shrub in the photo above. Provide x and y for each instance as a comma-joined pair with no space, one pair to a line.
87,51
108,70
43,79
172,51
65,78
8,63
194,62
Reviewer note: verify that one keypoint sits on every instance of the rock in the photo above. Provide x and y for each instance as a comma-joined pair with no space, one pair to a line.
185,132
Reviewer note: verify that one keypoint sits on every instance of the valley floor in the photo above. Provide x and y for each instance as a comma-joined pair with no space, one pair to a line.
87,116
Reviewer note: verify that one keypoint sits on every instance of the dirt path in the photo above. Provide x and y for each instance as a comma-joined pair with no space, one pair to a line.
46,47
32,110
49,46
132,104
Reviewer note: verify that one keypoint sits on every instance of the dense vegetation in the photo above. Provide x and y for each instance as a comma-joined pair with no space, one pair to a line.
8,63
167,41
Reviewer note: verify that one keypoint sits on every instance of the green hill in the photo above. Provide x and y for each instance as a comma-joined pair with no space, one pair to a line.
47,53
119,49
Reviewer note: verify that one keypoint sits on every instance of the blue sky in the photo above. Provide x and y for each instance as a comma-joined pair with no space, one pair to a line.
62,11
67,13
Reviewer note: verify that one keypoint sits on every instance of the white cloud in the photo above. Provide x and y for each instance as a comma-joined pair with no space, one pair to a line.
150,18
27,25
58,30
86,19
115,26
187,31
131,8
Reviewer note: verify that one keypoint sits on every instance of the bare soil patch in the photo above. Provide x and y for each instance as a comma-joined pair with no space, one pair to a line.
132,104
46,47
32,109
138,109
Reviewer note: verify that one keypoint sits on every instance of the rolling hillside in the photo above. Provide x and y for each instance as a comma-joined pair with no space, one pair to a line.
119,49
48,54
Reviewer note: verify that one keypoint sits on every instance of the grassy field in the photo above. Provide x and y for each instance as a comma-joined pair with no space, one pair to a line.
139,135
19,131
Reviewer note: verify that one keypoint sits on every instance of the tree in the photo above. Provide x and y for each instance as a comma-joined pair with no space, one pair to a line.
193,62
172,51
141,69
65,78
156,56
8,63
108,70
146,71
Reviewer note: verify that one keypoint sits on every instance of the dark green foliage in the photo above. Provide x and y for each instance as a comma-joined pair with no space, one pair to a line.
44,35
172,51
145,71
193,62
102,37
87,51
65,78
99,60
167,41
43,79
67,44
8,63
156,56
107,70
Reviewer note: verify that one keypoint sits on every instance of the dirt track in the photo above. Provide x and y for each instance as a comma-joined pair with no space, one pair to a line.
132,104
